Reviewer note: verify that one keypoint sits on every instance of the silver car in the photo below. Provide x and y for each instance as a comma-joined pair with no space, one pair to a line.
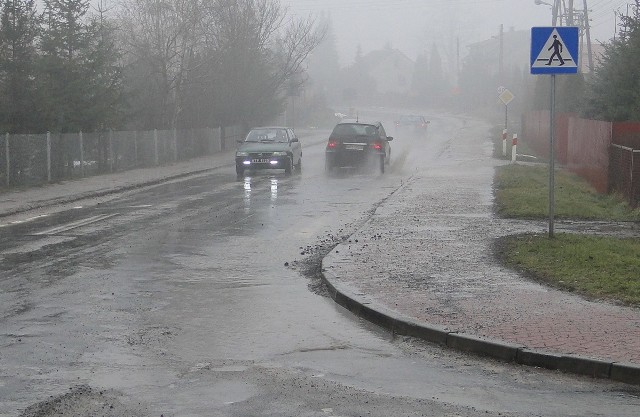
269,147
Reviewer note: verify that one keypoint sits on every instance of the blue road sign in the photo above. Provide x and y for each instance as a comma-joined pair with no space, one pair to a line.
554,50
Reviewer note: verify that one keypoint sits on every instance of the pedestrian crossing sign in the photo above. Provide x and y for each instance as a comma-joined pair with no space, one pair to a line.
554,50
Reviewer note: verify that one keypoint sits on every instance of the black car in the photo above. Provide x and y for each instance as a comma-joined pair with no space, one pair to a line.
354,143
270,147
415,123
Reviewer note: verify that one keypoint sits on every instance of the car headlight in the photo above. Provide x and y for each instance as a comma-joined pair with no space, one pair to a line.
242,153
279,153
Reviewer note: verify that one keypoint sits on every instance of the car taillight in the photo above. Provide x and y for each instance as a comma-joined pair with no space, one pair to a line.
377,146
332,144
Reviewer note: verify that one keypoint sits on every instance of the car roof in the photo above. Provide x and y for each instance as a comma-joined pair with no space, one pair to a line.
359,122
271,127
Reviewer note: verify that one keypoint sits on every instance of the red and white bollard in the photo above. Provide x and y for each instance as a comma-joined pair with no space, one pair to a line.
504,142
514,147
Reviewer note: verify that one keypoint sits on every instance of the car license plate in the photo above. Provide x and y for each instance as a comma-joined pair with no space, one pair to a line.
260,161
354,147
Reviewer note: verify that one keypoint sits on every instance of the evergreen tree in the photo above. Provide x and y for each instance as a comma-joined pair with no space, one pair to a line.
18,33
104,74
436,83
64,46
80,79
420,80
324,64
614,91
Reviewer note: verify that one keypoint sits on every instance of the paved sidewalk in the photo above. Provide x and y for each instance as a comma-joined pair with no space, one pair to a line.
422,265
68,191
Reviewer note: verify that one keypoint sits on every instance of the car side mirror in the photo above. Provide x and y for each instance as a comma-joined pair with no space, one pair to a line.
295,140
239,140
389,138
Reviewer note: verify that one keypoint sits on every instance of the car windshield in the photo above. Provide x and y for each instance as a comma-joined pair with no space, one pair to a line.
412,119
267,135
348,129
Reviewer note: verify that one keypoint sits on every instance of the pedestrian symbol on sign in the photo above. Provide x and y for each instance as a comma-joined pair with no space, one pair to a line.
557,51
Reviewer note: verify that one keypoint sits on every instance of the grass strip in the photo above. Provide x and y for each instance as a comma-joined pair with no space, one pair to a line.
595,266
522,191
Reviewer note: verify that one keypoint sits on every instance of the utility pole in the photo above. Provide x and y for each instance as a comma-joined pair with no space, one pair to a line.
570,14
564,14
587,29
556,13
501,61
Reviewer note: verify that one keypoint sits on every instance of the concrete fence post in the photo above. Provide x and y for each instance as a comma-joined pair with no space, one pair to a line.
48,156
223,138
8,159
156,160
111,150
213,144
504,142
514,147
81,144
175,145
135,147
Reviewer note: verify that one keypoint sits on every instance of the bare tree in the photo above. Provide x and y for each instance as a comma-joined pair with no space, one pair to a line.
215,61
252,53
161,36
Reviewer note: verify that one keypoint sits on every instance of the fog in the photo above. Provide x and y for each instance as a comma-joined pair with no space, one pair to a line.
413,26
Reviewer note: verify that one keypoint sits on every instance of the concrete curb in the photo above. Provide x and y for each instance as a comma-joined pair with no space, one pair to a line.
398,324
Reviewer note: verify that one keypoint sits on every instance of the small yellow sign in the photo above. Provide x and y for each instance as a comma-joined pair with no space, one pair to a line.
506,96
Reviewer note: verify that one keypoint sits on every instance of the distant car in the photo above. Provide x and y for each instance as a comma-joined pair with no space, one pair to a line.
354,143
269,148
417,123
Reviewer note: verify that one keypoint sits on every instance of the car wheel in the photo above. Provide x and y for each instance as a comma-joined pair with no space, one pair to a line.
299,166
288,166
328,167
382,164
239,170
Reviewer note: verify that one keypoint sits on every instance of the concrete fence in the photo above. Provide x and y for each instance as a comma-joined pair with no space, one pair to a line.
37,159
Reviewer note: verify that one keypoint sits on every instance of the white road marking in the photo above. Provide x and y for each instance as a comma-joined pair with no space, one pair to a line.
74,225
23,221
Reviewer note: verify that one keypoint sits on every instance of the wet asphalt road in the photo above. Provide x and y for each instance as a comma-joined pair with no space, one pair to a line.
199,297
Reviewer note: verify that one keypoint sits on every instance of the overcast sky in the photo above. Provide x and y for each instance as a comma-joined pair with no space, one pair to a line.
415,25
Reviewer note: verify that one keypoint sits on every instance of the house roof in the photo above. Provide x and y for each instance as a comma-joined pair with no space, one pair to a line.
374,57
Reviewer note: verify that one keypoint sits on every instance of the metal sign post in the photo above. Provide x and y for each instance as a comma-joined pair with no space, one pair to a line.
554,50
552,156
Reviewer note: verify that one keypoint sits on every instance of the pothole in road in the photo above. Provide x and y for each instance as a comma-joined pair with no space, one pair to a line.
85,401
311,265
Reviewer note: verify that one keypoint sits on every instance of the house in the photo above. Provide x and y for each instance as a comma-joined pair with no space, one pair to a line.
390,70
501,55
